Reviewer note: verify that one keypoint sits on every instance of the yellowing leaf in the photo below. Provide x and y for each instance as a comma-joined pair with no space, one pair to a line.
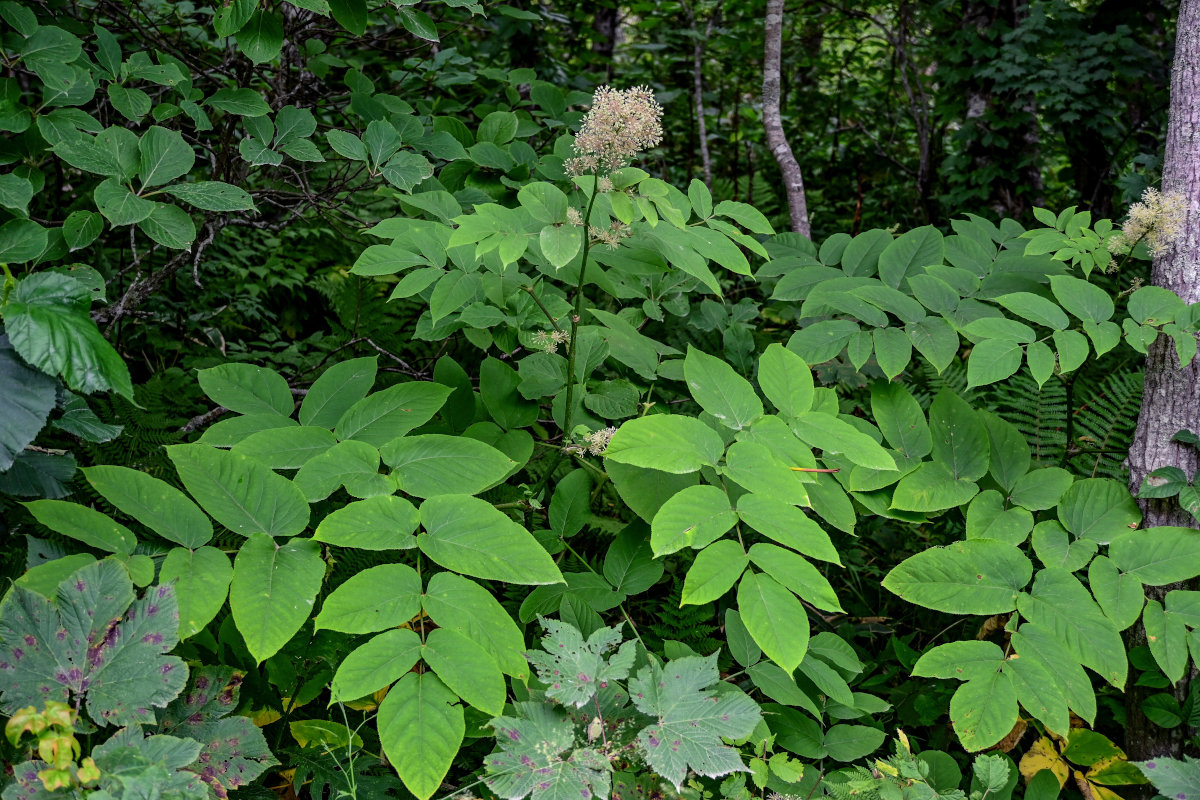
1043,755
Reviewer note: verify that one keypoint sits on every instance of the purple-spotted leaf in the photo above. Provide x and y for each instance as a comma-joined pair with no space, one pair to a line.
535,757
690,719
97,643
574,669
233,751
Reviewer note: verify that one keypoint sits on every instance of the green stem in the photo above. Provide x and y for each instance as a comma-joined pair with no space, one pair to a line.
542,306
9,284
571,348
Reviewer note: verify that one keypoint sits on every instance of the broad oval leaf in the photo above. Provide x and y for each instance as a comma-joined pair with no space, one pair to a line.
156,504
720,390
468,535
775,619
201,579
435,464
978,576
421,729
376,664
666,442
695,517
385,522
359,605
272,591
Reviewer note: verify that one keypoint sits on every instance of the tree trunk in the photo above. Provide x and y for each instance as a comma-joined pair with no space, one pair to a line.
793,179
1170,401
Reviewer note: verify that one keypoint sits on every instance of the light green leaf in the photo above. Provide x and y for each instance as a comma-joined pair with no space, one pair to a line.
467,669
932,487
787,525
156,504
1059,602
243,102
695,517
84,524
435,464
666,442
1099,509
978,576
964,661
1086,301
247,389
754,467
1120,596
212,196
201,579
241,493
713,573
165,156
909,253
900,419
836,437
560,244
785,379
372,666
358,605
468,535
421,729
1167,637
797,574
960,440
984,710
775,619
1158,556
993,360
286,448
273,589
456,603
385,522
338,388
389,414
720,390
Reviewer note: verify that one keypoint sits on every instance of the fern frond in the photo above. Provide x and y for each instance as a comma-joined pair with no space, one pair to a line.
1039,414
1104,423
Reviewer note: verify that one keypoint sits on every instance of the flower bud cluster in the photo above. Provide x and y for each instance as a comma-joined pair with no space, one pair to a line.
1158,218
621,124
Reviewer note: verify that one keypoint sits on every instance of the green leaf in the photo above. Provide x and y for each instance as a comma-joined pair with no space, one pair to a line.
629,564
468,535
243,102
713,573
569,504
358,605
987,518
372,666
352,464
836,437
1086,301
1059,602
993,360
84,524
785,379
936,339
932,487
1158,556
1099,509
1035,308
1173,778
435,464
909,253
21,240
462,605
775,619
165,156
350,14
978,576
695,517
852,742
797,574
28,403
787,525
1120,596
560,244
690,719
261,38
960,440
385,522
212,196
666,442
241,493
467,669
201,579
247,389
47,322
81,229
893,350
170,226
720,390
754,467
984,710
745,215
389,414
156,504
338,388
1154,305
121,680
900,419
1167,637
273,589
286,448
421,729
531,758
964,661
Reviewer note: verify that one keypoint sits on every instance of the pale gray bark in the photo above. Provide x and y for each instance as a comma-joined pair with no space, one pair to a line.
1172,392
793,179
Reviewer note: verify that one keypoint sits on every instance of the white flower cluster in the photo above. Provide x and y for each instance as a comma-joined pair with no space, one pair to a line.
621,124
1158,218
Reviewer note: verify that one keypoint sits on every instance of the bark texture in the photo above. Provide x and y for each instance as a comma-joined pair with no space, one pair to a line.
793,179
1172,393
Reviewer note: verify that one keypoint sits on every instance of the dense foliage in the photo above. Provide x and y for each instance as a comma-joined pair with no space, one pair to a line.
389,410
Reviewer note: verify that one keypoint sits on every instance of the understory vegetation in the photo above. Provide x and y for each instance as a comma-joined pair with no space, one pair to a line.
472,400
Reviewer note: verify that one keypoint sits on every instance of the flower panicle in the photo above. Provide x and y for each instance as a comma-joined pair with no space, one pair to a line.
621,124
1157,218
